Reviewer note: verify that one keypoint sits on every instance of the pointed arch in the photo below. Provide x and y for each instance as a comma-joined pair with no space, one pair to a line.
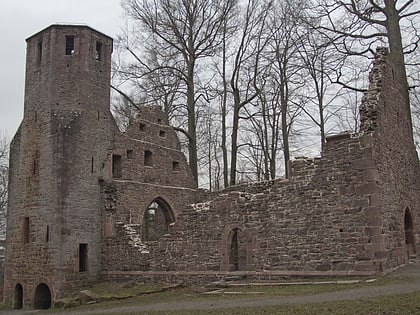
410,239
157,218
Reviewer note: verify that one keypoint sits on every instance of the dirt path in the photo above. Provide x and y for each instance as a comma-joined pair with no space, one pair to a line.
411,271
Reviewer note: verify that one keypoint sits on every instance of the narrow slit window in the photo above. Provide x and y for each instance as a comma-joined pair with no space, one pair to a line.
39,52
47,236
26,227
69,45
116,166
98,53
92,165
148,158
83,257
130,154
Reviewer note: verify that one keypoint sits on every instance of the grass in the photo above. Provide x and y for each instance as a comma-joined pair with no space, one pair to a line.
114,295
406,304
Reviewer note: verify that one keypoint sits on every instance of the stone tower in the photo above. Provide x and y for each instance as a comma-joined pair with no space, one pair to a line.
58,154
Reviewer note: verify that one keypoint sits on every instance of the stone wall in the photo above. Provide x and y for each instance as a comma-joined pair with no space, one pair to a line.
339,214
56,158
88,202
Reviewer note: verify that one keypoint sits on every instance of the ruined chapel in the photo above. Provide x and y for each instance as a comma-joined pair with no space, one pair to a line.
89,203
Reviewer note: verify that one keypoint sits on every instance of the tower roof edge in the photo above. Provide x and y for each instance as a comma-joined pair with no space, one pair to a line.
72,25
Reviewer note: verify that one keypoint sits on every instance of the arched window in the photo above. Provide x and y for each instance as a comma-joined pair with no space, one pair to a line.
156,220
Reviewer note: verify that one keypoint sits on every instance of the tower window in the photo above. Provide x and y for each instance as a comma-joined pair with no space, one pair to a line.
162,133
175,166
26,230
83,257
116,166
148,158
142,127
39,52
69,45
130,154
98,53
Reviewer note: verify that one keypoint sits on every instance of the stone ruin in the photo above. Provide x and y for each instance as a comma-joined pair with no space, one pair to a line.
89,203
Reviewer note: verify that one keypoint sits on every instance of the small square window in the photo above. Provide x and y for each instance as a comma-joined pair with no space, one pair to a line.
162,133
175,166
130,154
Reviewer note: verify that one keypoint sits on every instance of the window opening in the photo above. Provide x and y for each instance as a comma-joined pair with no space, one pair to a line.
162,133
39,52
148,158
159,120
130,154
83,257
47,236
91,164
116,166
98,55
69,45
26,225
157,218
142,127
175,166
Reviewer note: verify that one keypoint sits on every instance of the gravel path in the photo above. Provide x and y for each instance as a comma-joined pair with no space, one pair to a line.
411,271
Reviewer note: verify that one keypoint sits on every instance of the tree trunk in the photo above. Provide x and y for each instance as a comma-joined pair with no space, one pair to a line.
192,130
397,51
235,126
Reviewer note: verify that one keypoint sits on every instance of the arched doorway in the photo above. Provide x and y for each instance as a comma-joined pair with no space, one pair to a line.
156,220
410,239
42,299
18,297
234,250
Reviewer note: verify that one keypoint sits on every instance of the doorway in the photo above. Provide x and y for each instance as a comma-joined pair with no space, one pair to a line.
42,299
410,240
18,297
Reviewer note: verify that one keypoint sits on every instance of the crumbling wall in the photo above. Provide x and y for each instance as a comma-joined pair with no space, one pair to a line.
342,213
385,117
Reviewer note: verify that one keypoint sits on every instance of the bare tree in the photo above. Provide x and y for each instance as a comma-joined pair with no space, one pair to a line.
180,33
4,173
357,26
246,70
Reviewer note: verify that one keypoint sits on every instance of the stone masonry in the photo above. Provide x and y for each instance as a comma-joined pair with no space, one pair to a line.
89,203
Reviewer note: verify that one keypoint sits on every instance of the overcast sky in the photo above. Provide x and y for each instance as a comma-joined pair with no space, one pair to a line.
20,19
